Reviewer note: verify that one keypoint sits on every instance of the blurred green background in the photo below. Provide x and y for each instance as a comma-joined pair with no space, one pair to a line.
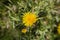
45,28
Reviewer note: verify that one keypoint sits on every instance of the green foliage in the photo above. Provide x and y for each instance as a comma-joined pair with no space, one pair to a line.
11,12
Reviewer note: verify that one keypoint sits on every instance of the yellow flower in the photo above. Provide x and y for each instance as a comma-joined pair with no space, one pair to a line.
58,29
24,30
29,19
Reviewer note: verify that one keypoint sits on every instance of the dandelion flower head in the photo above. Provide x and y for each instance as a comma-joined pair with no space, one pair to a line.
58,29
29,18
